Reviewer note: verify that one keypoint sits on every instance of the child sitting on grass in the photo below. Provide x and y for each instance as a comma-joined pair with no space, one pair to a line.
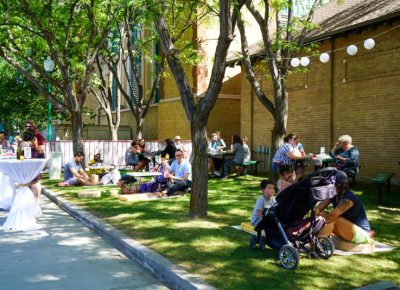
287,177
264,201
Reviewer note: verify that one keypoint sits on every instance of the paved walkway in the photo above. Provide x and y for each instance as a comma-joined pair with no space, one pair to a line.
65,255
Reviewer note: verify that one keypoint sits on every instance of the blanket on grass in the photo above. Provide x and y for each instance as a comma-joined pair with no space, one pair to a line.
342,248
141,197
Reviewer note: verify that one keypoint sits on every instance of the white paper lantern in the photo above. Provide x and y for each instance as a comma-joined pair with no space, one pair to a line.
352,49
295,62
304,61
369,43
324,57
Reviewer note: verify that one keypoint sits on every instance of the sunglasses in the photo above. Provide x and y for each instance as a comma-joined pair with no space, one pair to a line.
178,155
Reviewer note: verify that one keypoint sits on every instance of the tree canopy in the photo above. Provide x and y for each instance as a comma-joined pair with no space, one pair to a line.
19,100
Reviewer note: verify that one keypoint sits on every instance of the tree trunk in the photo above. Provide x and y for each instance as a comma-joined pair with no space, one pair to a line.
199,197
114,132
76,121
281,116
139,128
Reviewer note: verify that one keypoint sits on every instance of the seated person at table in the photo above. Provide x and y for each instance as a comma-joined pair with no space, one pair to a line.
220,142
142,145
159,182
170,149
288,153
4,143
238,152
346,155
287,176
348,219
214,163
74,173
96,160
264,201
180,173
246,148
135,157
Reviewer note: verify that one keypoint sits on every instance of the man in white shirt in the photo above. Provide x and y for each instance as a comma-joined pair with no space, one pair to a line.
181,174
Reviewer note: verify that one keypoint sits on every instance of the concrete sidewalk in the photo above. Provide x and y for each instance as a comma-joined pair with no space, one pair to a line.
66,255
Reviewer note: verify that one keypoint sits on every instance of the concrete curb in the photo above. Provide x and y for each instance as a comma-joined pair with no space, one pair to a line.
166,272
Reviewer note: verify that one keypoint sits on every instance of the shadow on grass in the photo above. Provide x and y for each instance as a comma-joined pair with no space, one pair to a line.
212,249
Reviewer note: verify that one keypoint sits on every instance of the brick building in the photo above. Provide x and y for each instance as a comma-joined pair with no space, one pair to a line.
357,95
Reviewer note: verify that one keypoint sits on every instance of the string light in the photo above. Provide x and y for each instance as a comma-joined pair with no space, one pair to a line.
324,57
351,50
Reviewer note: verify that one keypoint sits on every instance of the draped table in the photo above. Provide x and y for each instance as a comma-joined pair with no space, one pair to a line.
24,209
7,189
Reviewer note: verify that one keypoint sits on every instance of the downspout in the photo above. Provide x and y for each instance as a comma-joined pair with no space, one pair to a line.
332,92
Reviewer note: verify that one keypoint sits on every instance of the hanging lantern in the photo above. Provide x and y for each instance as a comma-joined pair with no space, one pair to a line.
369,43
294,62
324,57
304,61
352,49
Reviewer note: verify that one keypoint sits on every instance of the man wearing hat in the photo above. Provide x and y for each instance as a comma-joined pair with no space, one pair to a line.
348,219
4,143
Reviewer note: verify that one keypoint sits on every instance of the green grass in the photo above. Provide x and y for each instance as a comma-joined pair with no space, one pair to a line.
219,254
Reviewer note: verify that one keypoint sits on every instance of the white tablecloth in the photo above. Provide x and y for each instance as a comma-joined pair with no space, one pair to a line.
24,209
7,191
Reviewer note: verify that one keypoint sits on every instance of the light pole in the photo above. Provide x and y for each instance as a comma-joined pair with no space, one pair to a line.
49,67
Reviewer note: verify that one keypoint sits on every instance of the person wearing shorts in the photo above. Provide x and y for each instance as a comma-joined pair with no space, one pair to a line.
348,219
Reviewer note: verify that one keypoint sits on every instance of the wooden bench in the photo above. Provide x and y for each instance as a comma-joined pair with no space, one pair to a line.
244,165
380,180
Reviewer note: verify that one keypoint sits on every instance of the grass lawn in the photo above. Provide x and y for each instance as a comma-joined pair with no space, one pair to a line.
219,254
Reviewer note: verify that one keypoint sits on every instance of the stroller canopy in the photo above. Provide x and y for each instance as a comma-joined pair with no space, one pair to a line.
296,200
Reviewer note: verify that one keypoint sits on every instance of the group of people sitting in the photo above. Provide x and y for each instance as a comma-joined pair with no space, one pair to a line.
217,151
348,219
175,169
289,158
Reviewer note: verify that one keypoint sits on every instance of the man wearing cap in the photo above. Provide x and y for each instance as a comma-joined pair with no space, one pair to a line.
348,219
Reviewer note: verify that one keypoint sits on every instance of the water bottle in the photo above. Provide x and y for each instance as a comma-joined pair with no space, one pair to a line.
151,167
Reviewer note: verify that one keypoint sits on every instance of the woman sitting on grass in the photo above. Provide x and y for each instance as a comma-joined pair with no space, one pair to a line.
348,220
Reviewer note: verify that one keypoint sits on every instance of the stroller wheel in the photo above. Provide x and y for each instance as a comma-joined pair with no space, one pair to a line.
289,257
262,243
325,247
253,241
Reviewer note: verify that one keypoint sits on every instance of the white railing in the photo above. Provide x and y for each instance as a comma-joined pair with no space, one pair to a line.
112,152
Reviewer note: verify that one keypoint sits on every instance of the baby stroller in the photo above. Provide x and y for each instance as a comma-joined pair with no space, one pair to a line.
285,227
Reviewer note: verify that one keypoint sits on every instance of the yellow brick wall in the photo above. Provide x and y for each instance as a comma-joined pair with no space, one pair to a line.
172,120
150,124
231,85
365,106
